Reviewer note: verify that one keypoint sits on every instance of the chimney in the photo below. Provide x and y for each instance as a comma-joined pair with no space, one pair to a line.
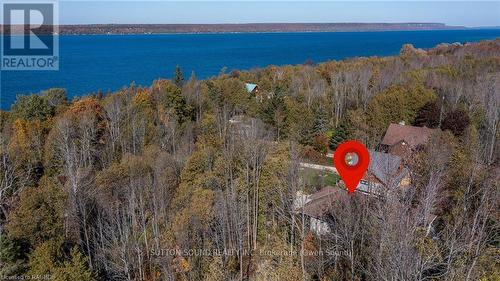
402,122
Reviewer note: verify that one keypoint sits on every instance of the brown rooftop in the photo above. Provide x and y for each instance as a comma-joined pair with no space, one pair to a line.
322,201
413,136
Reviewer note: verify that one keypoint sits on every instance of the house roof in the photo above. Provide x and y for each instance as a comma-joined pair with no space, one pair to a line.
250,87
384,166
321,201
413,136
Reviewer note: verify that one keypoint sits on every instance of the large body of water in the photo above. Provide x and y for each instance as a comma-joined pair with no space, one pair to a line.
109,62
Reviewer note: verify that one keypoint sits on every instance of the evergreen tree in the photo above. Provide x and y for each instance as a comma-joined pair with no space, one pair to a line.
320,121
31,107
456,121
49,259
428,115
172,98
178,77
340,135
43,260
75,269
39,215
12,257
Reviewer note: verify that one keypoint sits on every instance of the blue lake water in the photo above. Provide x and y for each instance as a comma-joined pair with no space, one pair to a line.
89,63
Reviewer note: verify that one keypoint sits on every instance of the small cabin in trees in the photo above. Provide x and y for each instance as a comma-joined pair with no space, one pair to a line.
252,88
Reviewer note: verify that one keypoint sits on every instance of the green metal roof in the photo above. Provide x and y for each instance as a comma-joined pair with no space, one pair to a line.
250,87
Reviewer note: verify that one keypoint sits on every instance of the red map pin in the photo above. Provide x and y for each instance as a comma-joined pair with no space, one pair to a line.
351,160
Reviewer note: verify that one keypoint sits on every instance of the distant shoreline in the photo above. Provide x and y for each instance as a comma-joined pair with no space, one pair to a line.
125,29
268,32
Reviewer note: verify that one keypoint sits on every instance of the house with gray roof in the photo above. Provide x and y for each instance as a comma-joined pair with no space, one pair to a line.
384,170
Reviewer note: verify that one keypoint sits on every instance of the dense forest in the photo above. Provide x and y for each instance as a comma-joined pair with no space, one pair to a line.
193,179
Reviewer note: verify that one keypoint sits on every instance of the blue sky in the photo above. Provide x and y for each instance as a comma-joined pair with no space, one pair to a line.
467,13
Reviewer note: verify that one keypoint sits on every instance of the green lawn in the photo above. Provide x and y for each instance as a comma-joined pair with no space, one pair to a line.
317,178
